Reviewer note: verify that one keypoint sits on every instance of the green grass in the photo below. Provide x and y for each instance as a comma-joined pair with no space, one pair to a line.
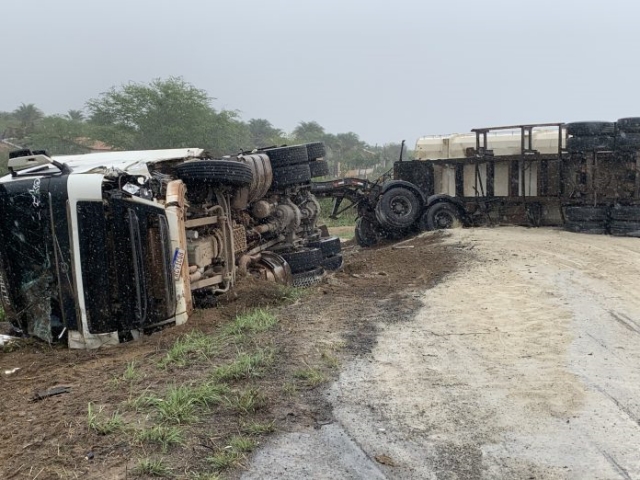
161,435
346,219
243,444
310,376
256,321
101,424
246,401
224,460
258,428
189,348
244,366
181,403
152,467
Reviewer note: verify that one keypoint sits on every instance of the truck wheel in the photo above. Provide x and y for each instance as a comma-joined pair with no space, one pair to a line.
332,263
221,172
590,129
283,156
291,175
315,150
398,208
586,144
367,232
441,216
629,125
303,260
309,278
319,168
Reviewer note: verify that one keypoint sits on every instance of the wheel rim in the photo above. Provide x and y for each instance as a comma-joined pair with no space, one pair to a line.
444,220
400,207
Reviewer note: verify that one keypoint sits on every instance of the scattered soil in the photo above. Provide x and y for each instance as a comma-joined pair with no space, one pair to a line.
319,329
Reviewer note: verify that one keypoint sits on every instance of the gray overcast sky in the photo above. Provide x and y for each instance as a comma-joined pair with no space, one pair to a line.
385,70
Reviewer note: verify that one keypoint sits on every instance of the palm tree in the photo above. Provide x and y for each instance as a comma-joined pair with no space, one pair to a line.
75,115
27,115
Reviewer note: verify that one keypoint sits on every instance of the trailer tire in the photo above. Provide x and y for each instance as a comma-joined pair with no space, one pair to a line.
221,172
303,260
319,168
284,156
315,150
442,215
629,125
625,213
398,208
625,229
329,246
586,144
590,129
332,263
291,175
586,214
367,233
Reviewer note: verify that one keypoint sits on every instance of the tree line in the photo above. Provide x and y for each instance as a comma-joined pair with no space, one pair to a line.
172,113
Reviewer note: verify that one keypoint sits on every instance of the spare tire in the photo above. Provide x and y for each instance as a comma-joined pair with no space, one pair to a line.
315,150
283,156
319,168
220,172
291,175
398,208
586,144
303,260
629,125
590,129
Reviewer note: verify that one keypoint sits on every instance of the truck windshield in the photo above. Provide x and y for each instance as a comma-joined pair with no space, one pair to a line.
32,259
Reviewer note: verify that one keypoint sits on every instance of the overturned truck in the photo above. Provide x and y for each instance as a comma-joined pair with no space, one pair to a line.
584,176
99,248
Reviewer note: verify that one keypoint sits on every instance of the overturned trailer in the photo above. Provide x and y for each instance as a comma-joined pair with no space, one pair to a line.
99,248
584,176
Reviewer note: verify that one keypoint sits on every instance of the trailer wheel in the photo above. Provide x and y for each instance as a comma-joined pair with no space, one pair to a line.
329,246
590,129
283,156
308,278
332,263
221,172
585,144
629,125
367,233
398,208
441,216
319,168
315,150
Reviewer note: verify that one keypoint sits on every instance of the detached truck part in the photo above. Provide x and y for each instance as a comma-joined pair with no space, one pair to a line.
99,248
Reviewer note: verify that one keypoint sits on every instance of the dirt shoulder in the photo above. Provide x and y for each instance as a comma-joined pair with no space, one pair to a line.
197,399
521,364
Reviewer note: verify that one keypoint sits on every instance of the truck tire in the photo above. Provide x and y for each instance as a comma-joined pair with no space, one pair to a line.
308,278
367,232
590,129
315,150
319,168
221,172
629,125
332,263
284,156
291,175
398,208
628,141
442,215
303,260
587,144
329,246
580,214
625,213
625,229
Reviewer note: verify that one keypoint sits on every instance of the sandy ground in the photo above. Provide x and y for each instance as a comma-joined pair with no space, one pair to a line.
522,364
